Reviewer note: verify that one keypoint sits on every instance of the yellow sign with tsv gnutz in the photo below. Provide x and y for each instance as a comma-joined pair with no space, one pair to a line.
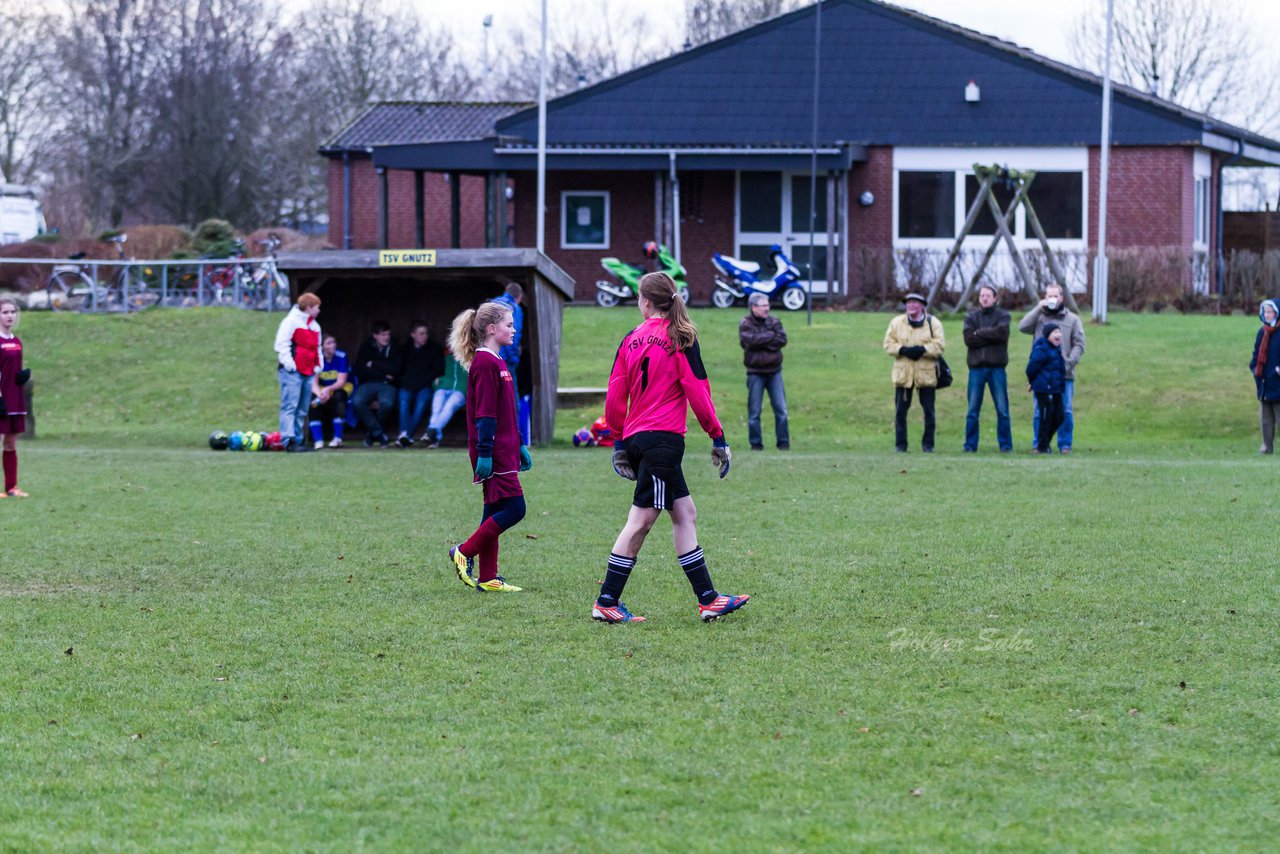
407,258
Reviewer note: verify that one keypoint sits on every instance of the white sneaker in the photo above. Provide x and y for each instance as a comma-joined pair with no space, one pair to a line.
335,443
319,444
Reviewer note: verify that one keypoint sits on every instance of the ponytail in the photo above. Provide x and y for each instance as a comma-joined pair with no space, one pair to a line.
660,289
468,330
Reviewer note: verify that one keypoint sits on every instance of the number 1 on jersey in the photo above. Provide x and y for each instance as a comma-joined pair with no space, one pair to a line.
644,373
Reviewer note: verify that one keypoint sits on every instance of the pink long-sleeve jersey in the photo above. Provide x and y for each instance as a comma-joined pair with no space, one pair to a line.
653,384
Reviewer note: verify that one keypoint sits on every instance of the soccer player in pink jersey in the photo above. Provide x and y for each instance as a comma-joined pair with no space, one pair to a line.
13,406
493,439
657,375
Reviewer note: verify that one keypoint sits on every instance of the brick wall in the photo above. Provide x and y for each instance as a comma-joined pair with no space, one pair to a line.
1151,198
870,228
401,227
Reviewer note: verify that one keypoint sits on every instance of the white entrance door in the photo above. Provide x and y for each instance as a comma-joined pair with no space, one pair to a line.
773,208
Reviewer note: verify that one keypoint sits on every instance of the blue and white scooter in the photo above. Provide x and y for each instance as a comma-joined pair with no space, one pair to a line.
744,280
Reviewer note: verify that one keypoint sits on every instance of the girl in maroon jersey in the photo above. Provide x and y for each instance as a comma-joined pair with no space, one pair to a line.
493,439
13,406
657,375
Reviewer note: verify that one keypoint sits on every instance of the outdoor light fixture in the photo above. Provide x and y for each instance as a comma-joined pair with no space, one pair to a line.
972,93
866,199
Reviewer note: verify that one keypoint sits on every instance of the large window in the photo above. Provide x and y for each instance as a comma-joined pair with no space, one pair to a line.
926,204
1058,199
760,202
584,220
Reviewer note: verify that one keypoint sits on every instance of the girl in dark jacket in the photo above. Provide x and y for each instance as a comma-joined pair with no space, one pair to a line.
1265,366
1047,377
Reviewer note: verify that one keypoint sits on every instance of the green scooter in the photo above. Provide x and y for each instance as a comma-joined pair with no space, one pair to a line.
609,294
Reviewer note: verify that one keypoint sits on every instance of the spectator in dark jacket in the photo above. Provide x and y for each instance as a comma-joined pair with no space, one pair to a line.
423,362
762,338
986,334
1047,377
377,366
1265,366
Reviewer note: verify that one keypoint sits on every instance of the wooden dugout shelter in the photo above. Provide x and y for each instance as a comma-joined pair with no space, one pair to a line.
400,286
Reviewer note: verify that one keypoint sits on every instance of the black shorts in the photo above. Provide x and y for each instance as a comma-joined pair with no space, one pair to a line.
655,458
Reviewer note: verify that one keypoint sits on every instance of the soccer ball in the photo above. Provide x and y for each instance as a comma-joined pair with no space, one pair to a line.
236,441
218,440
253,442
583,438
272,441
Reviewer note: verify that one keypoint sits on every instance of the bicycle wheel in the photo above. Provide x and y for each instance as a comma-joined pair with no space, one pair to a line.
140,294
69,290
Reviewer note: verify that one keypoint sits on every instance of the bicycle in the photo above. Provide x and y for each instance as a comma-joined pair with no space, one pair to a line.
265,277
71,287
228,281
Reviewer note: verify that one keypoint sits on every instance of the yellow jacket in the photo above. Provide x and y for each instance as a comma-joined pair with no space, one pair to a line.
922,372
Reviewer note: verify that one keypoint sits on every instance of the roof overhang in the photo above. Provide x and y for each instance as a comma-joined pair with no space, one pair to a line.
1247,153
446,264
495,156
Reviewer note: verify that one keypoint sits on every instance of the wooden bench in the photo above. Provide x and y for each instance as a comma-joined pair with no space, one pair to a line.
573,397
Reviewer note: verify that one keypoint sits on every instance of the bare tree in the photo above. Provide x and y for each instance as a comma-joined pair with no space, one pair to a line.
26,92
588,43
357,51
1202,54
108,51
708,20
215,125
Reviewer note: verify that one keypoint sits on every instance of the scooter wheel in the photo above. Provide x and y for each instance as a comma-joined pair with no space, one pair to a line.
604,299
793,299
722,298
682,291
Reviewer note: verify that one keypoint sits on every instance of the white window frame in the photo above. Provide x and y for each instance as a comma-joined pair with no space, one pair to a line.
960,161
1202,200
564,218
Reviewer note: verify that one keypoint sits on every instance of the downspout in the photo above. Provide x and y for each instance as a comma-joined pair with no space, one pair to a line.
1217,237
346,200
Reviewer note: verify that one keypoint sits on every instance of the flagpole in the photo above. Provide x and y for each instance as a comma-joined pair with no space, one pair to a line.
542,137
1100,283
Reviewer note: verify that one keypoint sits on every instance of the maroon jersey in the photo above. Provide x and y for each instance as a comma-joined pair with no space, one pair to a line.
10,364
491,394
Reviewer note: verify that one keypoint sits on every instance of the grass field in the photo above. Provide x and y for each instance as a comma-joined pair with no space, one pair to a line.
267,652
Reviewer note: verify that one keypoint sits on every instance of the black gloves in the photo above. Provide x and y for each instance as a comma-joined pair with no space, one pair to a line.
22,376
3,409
912,353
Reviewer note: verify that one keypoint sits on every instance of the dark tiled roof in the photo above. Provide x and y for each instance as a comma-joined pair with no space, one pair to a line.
399,122
890,76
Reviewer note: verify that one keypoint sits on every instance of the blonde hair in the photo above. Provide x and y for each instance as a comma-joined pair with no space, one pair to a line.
9,301
660,289
469,328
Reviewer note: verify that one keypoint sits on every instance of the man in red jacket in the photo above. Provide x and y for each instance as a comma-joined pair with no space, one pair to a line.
297,349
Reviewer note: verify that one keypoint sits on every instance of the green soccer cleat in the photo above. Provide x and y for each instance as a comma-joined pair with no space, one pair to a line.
496,585
463,566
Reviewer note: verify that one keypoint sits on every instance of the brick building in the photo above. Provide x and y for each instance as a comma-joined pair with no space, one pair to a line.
710,150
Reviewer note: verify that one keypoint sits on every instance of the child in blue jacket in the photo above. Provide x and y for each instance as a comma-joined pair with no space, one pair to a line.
1047,377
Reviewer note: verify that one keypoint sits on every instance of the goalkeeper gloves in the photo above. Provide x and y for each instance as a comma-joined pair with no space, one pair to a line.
720,454
22,376
526,459
622,462
484,468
